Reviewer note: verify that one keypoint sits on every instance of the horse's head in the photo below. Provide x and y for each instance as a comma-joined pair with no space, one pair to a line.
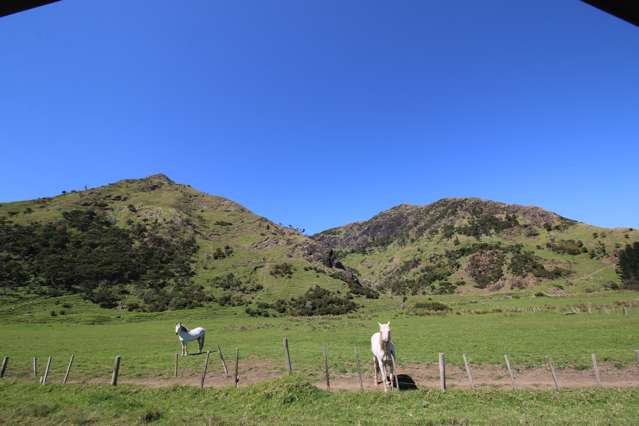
385,332
178,326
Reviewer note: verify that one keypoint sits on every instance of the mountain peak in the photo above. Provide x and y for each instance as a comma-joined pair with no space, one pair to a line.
407,222
158,177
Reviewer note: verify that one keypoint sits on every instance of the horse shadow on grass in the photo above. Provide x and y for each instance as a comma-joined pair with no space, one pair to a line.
406,382
201,353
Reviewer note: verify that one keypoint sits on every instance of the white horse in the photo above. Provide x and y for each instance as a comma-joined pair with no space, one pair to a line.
187,335
383,355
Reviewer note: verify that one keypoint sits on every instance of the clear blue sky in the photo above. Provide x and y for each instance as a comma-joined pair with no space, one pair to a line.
317,113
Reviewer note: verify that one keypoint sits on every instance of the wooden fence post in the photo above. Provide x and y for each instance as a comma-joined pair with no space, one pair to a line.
237,363
34,365
206,367
5,361
287,355
116,371
510,371
595,369
468,373
552,371
177,363
66,374
359,370
226,370
328,379
442,371
46,371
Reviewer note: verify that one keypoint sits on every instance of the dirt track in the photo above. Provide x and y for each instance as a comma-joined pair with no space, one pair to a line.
424,376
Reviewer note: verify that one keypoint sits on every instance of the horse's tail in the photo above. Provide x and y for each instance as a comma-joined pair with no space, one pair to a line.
201,342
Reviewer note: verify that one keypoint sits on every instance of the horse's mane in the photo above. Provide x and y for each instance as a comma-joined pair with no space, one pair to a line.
182,328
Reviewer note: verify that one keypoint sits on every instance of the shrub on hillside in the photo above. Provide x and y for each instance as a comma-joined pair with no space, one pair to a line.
105,296
316,301
486,267
284,270
523,263
230,299
230,282
429,308
259,311
86,253
531,231
628,266
571,247
443,287
486,224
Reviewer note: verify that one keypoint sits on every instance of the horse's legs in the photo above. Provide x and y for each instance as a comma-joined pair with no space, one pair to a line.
394,376
383,371
375,382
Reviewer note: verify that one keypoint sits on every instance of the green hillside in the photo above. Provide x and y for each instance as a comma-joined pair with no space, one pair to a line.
470,245
125,243
153,245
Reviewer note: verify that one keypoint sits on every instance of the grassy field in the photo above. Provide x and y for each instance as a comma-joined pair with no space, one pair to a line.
293,401
483,327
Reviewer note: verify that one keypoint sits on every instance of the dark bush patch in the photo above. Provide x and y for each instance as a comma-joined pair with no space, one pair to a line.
231,282
628,266
524,263
86,253
284,270
486,267
610,285
432,306
316,301
531,231
231,299
220,253
150,416
571,247
429,308
485,224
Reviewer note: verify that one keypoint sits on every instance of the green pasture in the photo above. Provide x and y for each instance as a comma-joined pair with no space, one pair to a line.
527,328
291,400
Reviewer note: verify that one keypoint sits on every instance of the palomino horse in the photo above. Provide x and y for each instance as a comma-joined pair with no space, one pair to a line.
187,335
383,355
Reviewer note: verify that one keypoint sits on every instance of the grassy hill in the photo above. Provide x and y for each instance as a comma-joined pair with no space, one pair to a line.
469,245
179,241
152,244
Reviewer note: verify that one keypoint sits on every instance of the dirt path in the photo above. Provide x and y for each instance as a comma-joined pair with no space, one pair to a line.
424,376
427,376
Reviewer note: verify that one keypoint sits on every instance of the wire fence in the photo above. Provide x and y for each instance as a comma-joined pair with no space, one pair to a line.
233,366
